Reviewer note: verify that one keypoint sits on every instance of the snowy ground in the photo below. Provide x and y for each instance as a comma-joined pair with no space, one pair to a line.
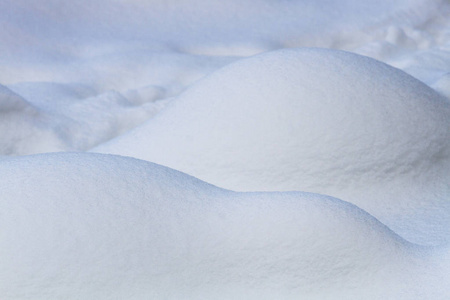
317,134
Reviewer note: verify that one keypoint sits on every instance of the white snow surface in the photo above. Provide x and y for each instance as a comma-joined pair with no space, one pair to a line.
316,120
118,227
330,120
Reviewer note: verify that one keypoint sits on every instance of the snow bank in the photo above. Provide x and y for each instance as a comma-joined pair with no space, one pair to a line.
96,226
314,120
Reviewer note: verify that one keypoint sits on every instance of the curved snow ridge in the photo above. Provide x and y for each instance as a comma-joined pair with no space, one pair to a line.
323,110
98,226
314,120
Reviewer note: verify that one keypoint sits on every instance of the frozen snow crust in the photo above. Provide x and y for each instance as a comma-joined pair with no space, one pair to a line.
315,120
92,226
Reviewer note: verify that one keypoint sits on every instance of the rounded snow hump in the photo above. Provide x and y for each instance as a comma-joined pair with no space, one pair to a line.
91,226
308,119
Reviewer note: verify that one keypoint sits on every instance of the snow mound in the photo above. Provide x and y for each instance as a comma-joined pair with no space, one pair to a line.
307,119
97,226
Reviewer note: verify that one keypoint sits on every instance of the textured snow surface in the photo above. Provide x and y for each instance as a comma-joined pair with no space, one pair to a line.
314,120
317,133
120,227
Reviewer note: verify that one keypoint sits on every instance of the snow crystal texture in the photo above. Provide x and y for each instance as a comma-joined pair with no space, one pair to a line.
315,120
120,227
236,149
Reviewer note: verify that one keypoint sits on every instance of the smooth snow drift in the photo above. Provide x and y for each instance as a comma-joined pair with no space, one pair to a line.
175,82
313,120
95,226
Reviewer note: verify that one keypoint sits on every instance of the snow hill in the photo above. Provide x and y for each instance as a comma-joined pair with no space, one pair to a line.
316,120
96,226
